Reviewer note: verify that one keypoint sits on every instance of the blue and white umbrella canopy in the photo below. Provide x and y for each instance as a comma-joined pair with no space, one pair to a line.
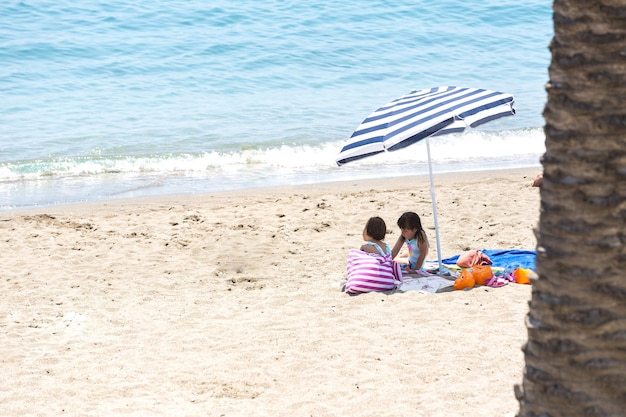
424,113
420,115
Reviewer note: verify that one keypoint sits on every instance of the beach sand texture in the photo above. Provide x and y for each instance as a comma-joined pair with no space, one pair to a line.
230,305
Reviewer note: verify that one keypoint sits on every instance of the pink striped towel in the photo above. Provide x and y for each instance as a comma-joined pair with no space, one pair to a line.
367,273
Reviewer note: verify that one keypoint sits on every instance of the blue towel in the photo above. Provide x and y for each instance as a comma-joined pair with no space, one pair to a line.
508,259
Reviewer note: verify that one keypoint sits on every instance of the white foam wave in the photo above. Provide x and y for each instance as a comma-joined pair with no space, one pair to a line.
461,149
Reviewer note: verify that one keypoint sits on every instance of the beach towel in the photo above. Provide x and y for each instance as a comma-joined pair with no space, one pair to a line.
368,273
507,259
430,284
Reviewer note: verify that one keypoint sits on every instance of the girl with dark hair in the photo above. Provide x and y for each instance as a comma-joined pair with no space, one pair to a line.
373,235
413,235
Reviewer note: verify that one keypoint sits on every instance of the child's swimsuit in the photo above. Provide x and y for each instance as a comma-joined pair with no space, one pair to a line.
414,252
387,248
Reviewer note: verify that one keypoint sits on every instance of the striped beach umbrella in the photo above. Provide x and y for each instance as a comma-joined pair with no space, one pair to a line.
421,114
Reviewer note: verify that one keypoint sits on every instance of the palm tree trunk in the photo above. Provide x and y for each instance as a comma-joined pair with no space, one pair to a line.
576,351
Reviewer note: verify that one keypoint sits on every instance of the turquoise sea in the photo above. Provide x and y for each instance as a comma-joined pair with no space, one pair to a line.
102,100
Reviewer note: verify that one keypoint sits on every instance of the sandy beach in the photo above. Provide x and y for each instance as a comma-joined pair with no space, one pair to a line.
230,304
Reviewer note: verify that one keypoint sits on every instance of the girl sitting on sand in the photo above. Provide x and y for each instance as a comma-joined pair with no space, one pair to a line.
373,235
413,235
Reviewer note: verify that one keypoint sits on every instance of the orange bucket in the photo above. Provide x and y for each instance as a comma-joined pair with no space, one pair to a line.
521,275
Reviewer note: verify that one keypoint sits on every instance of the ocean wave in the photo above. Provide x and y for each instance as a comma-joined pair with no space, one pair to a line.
294,157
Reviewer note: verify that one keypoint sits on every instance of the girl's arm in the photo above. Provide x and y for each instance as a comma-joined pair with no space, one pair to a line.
423,247
397,247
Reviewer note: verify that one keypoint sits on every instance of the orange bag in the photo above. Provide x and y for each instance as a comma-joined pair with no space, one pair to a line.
465,280
481,273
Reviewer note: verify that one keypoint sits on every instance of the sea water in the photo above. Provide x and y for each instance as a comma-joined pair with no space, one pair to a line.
105,100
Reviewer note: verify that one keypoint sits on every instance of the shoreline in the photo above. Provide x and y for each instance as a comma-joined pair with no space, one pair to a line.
318,186
230,304
27,187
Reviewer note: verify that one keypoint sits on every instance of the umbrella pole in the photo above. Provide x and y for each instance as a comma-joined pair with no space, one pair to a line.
434,200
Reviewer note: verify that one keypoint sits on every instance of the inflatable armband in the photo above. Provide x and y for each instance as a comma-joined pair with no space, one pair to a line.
465,280
481,273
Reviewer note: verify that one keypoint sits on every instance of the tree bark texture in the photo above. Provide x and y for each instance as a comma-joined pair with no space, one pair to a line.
576,350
